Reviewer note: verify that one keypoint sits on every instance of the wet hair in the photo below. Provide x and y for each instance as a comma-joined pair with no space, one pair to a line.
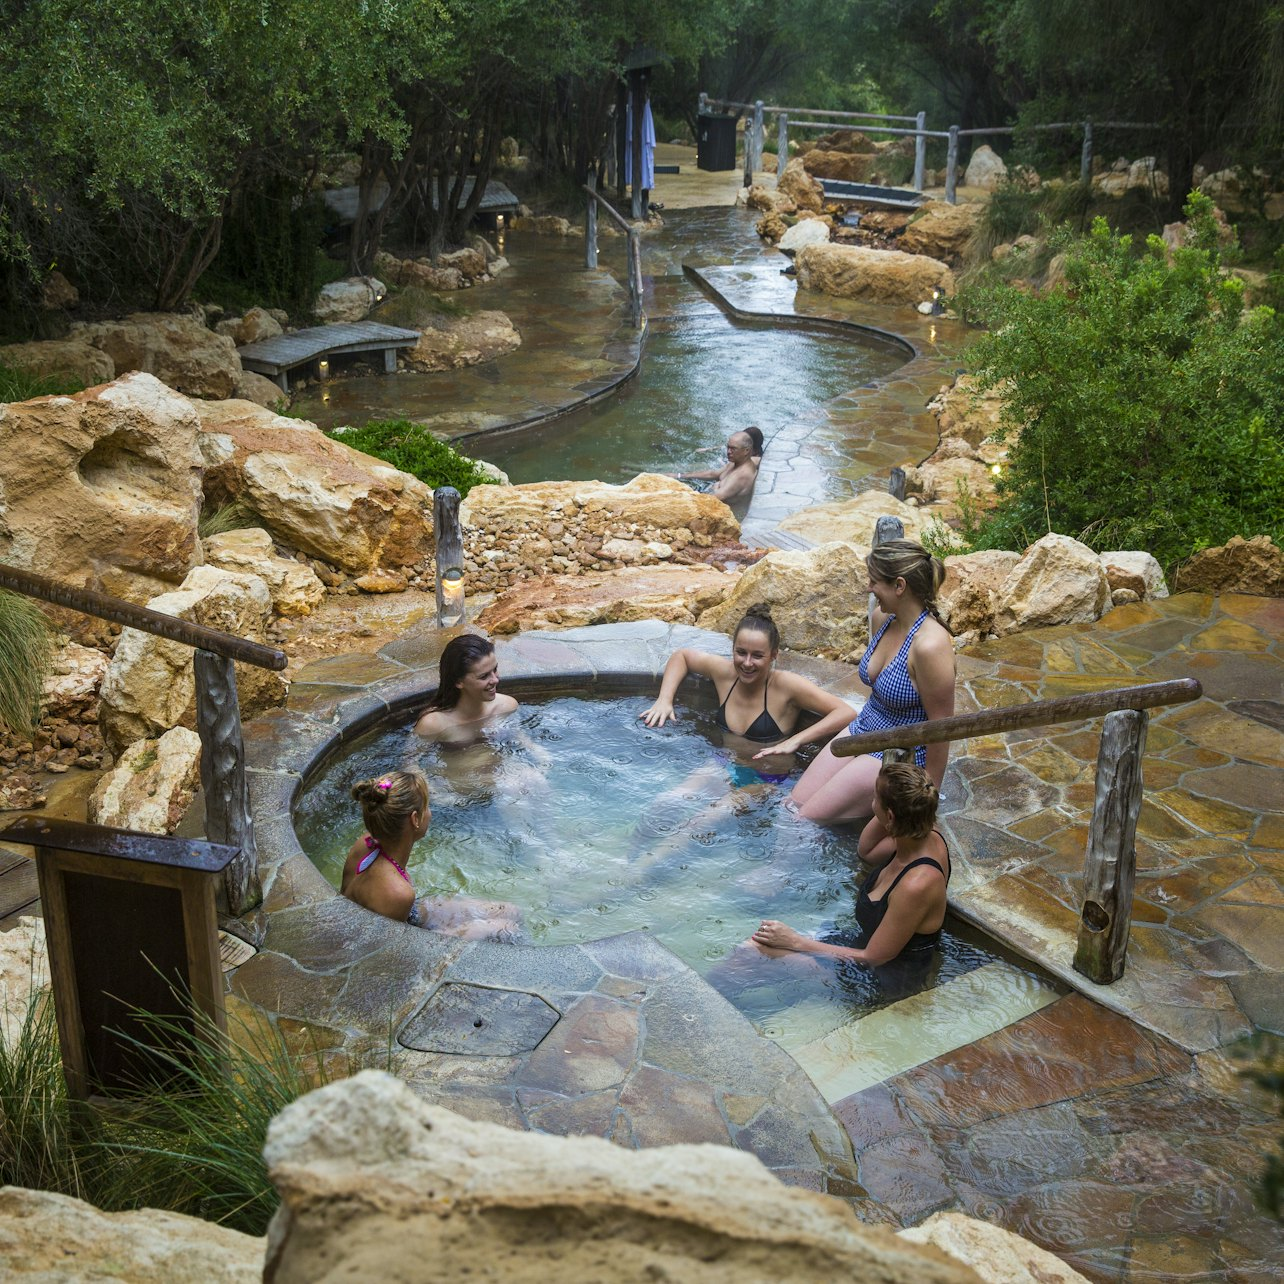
387,801
460,655
908,793
755,435
905,559
757,619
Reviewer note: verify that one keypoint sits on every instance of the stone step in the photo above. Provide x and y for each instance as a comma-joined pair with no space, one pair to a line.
917,1029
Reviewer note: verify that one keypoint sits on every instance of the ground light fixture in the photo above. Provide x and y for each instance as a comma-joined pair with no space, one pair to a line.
451,614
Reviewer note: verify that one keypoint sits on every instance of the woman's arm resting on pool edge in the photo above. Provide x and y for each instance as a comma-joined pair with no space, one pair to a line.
682,662
835,714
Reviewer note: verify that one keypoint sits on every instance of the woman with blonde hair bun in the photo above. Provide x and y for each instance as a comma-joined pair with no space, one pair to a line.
909,668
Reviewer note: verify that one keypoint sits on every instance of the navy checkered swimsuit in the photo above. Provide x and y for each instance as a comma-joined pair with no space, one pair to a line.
893,697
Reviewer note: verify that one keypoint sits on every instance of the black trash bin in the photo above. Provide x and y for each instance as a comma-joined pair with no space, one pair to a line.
715,142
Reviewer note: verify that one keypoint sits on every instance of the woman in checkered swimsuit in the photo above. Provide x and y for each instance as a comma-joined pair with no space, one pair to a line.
909,668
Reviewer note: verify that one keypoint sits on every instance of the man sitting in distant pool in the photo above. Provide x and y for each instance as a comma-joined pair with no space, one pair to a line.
733,482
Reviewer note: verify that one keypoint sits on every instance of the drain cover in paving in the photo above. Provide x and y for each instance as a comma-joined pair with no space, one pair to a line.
474,1020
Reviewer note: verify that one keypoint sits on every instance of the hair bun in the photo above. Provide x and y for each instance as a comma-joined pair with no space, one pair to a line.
761,610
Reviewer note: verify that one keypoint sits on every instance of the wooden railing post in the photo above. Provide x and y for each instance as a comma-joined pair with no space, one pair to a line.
1085,158
228,820
920,150
635,277
782,143
951,165
1111,862
748,151
757,135
590,224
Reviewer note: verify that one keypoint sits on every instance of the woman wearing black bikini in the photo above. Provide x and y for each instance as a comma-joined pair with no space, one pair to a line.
759,705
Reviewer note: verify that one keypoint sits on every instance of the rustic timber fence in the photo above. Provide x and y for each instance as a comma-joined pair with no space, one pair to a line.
595,198
826,121
218,717
1110,861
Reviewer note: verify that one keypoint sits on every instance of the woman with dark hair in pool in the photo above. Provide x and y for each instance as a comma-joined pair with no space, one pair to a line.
468,696
758,705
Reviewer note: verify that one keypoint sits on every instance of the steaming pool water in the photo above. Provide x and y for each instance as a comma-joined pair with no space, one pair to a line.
593,825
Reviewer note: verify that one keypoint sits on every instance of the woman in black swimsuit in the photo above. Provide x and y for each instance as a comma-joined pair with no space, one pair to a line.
759,705
900,907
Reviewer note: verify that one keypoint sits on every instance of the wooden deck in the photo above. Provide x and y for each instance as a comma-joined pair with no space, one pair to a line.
276,357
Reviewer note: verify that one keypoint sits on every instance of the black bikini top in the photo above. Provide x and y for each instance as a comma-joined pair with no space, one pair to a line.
763,728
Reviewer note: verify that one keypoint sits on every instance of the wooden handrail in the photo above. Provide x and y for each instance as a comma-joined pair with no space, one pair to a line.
615,214
118,611
1037,713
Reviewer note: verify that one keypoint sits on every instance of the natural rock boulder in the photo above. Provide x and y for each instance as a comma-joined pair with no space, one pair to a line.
375,1182
817,599
853,520
769,199
968,599
420,272
179,349
24,971
150,686
102,488
545,225
985,170
314,493
252,386
1057,581
468,262
675,593
810,231
152,784
452,342
75,675
256,324
883,276
951,481
351,299
1134,571
851,141
46,1237
963,410
997,1255
294,586
941,230
57,294
1239,566
62,358
772,227
800,187
845,167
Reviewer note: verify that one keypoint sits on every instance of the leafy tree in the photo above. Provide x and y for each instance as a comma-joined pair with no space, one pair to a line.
1149,403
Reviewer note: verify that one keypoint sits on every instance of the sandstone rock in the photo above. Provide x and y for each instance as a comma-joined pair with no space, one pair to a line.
800,187
57,294
256,324
75,675
675,593
452,342
180,350
811,231
150,687
24,975
997,1256
102,488
312,492
152,784
348,300
251,386
1124,596
381,581
884,276
469,263
71,359
294,587
951,482
426,1186
985,170
817,598
418,272
851,141
544,225
962,410
1144,173
1057,581
771,227
769,199
845,167
1136,571
940,230
852,520
46,1237
1239,566
968,597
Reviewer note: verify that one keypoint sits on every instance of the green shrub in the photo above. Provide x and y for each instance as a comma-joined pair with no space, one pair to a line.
413,449
25,648
18,384
1150,405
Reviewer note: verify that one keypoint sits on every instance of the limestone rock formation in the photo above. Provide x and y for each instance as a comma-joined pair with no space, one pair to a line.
46,1237
1134,571
351,299
808,231
421,272
769,199
24,974
451,342
937,480
57,294
968,599
102,488
678,594
941,230
1057,581
853,520
376,1183
1239,566
998,1256
846,167
178,348
252,386
294,586
883,276
772,227
817,599
545,225
66,358
800,187
851,141
75,675
151,785
963,410
985,169
470,263
256,324
314,493
150,686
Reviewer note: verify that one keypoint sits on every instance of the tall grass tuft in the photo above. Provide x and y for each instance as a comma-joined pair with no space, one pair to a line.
227,517
25,651
20,384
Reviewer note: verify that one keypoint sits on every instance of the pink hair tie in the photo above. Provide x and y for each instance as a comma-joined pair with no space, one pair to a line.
384,785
